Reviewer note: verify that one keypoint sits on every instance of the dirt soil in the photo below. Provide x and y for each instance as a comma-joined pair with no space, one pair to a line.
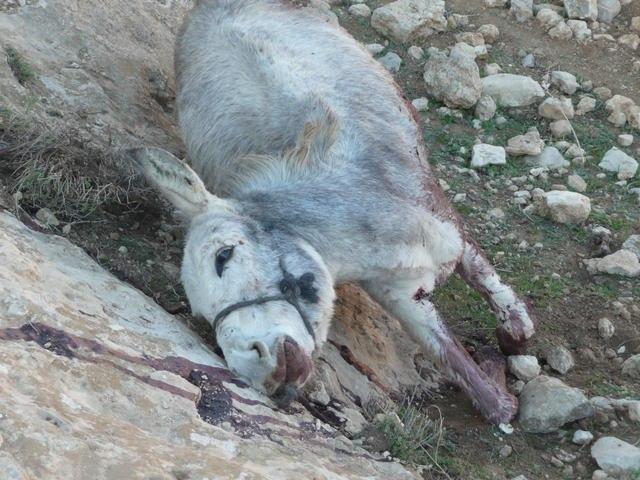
141,243
567,307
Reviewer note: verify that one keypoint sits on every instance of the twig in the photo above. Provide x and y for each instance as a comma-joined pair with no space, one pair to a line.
575,135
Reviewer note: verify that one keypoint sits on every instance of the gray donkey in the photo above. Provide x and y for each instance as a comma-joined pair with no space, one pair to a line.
311,170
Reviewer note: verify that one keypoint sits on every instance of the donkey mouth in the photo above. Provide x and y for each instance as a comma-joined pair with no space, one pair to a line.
293,369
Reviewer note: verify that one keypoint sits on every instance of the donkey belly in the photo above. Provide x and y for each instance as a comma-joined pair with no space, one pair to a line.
250,75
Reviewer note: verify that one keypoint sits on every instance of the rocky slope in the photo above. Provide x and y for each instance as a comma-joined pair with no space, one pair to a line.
100,380
531,116
97,381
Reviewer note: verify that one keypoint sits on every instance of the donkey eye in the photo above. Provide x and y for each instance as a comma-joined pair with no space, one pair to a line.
222,257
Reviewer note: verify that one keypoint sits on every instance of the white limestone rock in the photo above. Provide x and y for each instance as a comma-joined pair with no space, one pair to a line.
565,207
485,154
405,20
622,262
553,108
617,161
546,404
550,158
616,457
582,9
454,80
565,81
510,90
525,367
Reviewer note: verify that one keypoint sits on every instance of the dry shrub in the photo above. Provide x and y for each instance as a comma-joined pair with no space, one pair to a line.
54,168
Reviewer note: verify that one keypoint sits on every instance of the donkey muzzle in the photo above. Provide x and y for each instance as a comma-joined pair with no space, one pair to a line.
293,369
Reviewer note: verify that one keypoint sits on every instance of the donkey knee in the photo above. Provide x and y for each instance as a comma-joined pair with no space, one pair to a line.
517,325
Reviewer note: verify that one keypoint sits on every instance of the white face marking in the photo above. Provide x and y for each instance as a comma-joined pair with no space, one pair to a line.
229,259
251,336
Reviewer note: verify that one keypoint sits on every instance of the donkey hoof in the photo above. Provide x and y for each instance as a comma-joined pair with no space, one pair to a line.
504,411
511,344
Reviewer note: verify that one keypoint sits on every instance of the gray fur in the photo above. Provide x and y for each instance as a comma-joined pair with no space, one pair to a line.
230,52
310,153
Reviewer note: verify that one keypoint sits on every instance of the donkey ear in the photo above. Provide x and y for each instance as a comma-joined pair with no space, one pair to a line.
172,178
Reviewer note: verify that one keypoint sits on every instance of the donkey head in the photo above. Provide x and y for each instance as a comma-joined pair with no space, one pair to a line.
268,295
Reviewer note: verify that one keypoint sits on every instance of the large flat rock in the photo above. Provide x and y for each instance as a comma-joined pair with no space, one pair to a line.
98,382
617,457
107,69
103,68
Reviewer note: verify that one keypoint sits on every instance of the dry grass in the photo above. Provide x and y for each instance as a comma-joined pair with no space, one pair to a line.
52,168
419,438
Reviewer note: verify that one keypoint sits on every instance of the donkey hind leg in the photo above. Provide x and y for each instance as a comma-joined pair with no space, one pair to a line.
407,302
516,324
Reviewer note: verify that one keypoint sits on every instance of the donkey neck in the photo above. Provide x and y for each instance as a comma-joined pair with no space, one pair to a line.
345,223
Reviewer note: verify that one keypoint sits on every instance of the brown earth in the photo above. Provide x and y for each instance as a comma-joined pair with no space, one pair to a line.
567,307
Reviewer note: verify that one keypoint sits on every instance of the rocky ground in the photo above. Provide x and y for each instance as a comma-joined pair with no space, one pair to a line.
532,117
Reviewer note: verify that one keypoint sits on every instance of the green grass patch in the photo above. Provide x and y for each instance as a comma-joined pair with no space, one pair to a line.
521,272
460,302
616,223
23,72
464,209
596,138
608,291
445,145
545,290
515,124
603,387
513,168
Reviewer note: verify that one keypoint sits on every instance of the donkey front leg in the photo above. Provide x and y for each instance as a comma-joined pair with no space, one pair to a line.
516,324
407,301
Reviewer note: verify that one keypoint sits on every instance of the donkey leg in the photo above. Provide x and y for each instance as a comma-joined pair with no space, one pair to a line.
516,324
408,302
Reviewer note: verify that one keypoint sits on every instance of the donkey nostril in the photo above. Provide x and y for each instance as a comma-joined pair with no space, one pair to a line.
261,349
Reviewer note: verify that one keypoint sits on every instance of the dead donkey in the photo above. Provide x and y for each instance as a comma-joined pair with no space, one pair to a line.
311,170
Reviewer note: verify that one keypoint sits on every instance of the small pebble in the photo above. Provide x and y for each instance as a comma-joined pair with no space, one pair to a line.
625,139
506,451
606,329
416,52
420,104
47,217
556,462
582,437
360,10
529,61
516,387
